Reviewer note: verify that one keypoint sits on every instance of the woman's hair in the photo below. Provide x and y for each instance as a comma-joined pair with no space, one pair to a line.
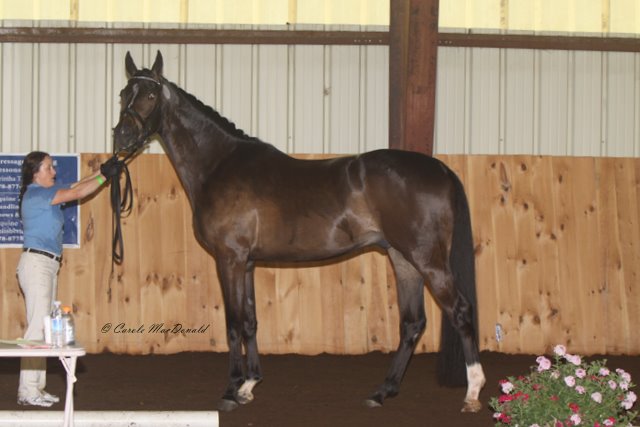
30,166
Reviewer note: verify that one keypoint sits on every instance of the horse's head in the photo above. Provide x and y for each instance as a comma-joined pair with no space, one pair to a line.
140,101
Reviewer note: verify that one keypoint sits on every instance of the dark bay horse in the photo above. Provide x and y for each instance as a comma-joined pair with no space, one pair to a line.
252,203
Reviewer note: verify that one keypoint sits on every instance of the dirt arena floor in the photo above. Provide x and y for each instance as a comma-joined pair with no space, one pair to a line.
301,391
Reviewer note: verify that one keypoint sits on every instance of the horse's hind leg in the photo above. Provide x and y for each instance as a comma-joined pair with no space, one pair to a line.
460,315
410,290
249,332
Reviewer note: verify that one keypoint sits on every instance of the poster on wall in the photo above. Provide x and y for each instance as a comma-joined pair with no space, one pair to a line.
67,171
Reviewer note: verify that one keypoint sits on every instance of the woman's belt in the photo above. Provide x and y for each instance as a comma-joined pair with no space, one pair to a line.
45,253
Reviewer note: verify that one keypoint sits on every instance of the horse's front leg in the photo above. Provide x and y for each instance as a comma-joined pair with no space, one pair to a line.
249,332
232,280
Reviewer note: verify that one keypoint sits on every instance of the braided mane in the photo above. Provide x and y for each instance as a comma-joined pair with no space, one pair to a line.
224,123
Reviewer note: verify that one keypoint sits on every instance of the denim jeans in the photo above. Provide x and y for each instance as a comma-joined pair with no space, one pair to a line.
38,277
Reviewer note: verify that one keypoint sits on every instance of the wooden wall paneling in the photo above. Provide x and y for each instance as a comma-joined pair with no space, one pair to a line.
332,307
526,256
148,240
593,276
547,247
609,229
629,261
500,195
583,268
570,298
563,197
309,311
288,323
632,263
574,221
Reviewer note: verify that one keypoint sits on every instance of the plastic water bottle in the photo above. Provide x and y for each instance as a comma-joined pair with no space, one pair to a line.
68,326
57,328
47,329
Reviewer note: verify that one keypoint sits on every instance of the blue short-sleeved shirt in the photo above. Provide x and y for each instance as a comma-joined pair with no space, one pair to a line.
42,222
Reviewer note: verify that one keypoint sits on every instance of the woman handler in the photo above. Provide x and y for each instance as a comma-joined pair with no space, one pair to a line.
41,200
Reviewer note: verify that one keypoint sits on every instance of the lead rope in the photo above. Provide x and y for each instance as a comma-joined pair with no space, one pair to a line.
121,205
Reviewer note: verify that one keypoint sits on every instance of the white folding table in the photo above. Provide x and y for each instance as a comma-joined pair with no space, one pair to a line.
67,355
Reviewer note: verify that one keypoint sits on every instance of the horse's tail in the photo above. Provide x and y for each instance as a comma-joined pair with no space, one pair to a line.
451,362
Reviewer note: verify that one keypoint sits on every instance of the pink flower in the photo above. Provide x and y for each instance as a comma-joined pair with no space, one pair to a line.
570,381
507,387
626,404
580,390
560,350
543,363
613,385
624,375
576,360
575,419
629,400
596,397
581,373
603,372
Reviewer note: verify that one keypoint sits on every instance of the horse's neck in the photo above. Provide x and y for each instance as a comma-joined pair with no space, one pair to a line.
194,154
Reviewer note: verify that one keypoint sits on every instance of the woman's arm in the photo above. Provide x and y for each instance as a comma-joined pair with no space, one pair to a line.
80,189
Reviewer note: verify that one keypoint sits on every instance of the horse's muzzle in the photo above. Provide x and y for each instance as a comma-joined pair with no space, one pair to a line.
126,136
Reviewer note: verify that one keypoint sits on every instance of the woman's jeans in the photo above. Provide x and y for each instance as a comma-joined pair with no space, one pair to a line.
38,277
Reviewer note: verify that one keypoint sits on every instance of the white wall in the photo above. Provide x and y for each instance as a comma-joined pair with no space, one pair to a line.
538,102
331,99
303,99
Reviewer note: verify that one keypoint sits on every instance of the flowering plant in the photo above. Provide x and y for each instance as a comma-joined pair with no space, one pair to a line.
566,393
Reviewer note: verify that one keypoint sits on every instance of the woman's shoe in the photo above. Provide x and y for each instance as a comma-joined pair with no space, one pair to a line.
34,401
50,397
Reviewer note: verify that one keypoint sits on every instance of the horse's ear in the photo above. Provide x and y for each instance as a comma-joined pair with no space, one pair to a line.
157,65
129,65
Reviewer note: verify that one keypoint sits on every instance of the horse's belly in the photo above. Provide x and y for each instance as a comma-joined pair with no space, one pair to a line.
316,242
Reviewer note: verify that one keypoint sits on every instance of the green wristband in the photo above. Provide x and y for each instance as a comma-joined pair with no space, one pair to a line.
100,179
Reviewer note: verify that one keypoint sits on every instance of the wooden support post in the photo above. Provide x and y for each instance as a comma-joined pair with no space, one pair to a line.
412,74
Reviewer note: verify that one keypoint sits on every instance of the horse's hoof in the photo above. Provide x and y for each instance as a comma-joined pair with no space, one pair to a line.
471,406
372,403
226,405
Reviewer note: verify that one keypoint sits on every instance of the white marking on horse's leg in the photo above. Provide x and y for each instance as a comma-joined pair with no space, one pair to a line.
475,381
244,392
